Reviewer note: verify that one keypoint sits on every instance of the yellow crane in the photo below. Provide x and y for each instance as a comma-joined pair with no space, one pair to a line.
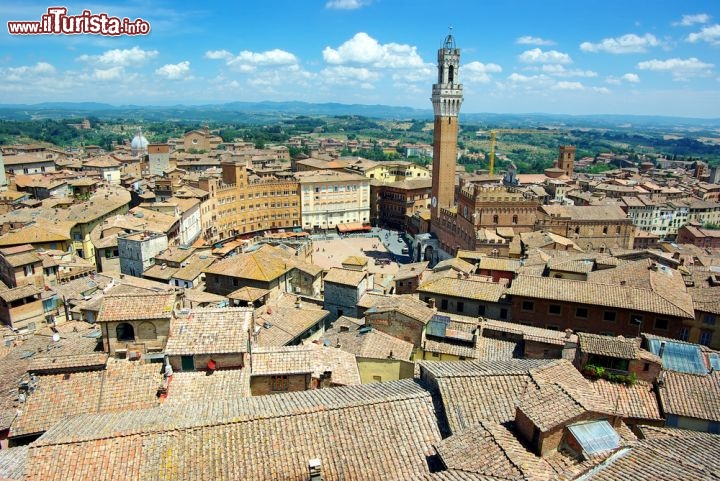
493,141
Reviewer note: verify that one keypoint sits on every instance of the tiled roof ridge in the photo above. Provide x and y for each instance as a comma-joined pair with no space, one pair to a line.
520,467
659,294
614,286
257,412
571,395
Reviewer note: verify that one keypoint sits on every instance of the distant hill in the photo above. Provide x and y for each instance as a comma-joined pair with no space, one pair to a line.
267,112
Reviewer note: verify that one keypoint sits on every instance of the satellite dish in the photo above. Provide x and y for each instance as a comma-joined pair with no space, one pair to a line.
56,337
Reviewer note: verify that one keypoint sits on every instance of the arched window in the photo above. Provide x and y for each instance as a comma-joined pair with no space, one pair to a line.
125,332
515,219
451,74
495,219
147,331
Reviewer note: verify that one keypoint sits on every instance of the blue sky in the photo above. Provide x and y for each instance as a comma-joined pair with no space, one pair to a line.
640,57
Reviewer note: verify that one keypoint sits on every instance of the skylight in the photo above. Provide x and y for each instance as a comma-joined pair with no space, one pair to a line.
595,437
678,356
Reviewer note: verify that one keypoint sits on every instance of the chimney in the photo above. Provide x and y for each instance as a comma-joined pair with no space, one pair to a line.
431,303
315,470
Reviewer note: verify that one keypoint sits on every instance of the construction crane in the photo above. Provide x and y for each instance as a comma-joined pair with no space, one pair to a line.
493,141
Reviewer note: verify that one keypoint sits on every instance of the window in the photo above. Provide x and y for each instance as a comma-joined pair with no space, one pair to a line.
481,310
661,324
435,354
377,378
705,338
646,366
684,333
609,316
125,332
515,219
528,306
460,306
279,383
30,271
555,309
503,313
709,319
581,312
495,219
443,304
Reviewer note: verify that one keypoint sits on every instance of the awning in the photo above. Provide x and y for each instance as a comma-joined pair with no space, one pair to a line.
353,227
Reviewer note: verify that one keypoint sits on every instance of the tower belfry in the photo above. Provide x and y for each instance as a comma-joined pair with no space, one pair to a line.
446,98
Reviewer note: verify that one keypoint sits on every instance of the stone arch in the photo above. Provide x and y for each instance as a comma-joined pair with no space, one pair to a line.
125,332
428,254
147,330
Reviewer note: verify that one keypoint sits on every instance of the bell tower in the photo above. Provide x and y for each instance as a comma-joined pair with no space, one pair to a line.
446,98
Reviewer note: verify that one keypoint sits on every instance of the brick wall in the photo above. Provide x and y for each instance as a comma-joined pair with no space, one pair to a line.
567,318
397,325
262,385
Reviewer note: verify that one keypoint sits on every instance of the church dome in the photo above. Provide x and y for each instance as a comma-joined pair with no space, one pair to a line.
139,142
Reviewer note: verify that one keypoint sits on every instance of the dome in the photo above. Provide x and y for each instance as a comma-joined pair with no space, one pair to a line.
139,141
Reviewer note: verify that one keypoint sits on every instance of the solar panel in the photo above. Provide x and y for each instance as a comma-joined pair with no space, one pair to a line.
678,356
596,436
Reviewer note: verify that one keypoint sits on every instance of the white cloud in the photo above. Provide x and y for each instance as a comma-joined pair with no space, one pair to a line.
363,49
348,75
564,85
174,71
247,61
689,20
537,55
709,34
346,4
629,43
529,82
479,72
601,90
121,57
20,74
218,54
681,69
528,40
560,71
112,73
633,78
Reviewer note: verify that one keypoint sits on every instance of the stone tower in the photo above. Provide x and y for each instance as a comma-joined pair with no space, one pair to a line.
446,98
566,159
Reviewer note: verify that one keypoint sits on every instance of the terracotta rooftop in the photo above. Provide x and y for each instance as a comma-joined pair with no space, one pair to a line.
122,386
619,347
608,295
492,450
281,360
399,413
368,342
264,264
345,277
463,288
280,325
190,387
340,364
12,463
136,306
637,402
210,331
690,395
